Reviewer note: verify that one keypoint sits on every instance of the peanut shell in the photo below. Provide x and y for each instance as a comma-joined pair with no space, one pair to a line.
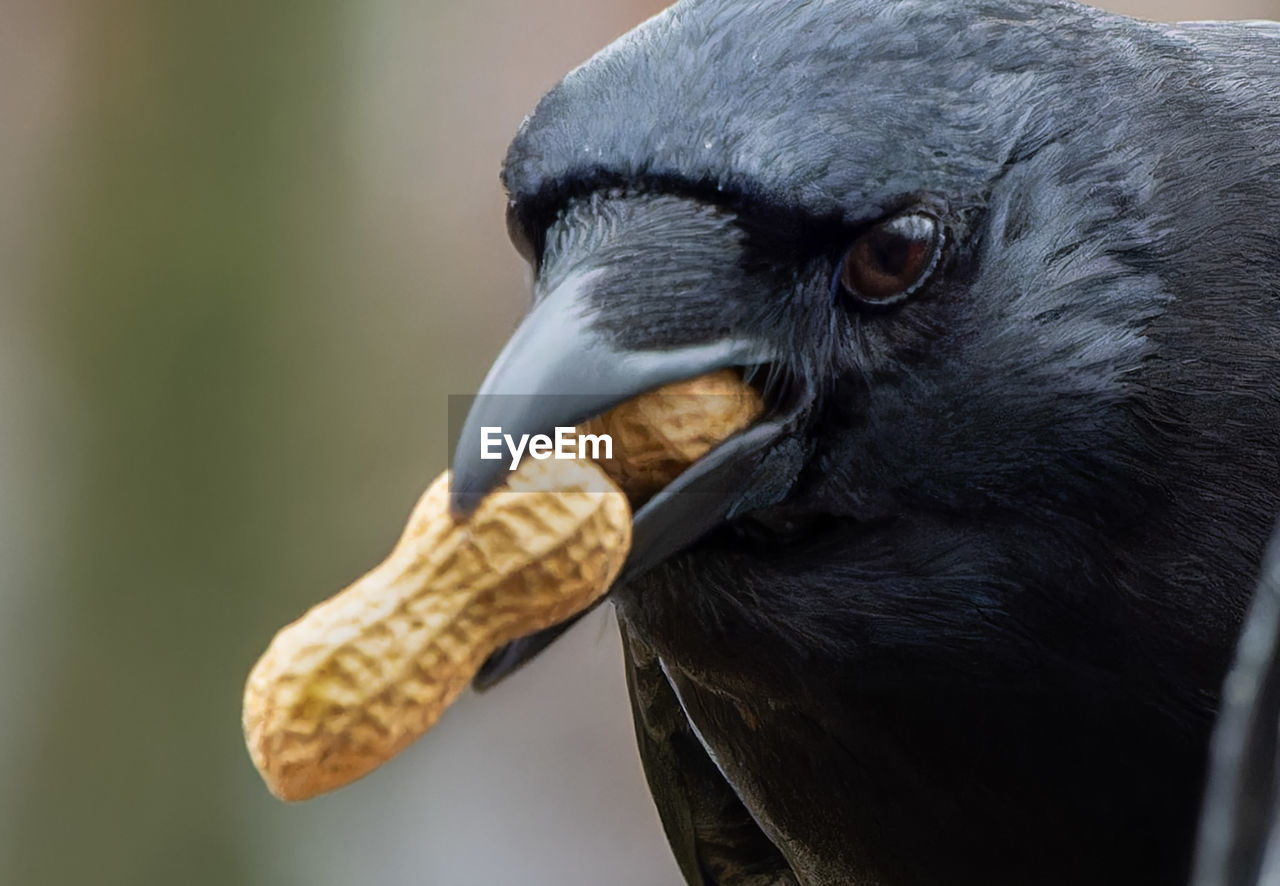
361,675
659,434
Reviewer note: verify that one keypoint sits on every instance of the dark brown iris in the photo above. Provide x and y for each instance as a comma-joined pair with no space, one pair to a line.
891,260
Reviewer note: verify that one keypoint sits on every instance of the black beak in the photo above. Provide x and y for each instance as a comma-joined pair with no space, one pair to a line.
567,363
559,370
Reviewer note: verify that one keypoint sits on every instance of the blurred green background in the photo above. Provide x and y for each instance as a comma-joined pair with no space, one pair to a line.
246,252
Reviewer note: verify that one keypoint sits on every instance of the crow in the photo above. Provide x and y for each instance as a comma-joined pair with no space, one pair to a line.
958,608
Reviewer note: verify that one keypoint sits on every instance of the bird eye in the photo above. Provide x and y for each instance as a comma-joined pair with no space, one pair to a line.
891,260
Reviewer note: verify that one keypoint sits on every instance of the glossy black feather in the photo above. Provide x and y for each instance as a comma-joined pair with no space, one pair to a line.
713,837
1240,838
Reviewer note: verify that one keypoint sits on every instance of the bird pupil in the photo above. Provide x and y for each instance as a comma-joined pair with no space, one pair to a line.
895,254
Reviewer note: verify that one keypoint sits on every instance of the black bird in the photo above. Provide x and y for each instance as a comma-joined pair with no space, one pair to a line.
958,608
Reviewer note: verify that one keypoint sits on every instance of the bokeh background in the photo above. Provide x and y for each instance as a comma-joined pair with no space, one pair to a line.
247,250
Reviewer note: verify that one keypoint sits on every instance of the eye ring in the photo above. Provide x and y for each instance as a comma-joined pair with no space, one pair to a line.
891,260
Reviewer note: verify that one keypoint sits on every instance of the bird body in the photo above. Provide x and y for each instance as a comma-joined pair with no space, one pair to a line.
963,608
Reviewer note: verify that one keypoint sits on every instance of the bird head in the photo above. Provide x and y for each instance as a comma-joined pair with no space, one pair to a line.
961,249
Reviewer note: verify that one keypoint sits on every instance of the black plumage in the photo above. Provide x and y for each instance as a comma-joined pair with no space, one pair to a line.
963,605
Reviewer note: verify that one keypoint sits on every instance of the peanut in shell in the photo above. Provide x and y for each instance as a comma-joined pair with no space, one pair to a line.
358,677
659,434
